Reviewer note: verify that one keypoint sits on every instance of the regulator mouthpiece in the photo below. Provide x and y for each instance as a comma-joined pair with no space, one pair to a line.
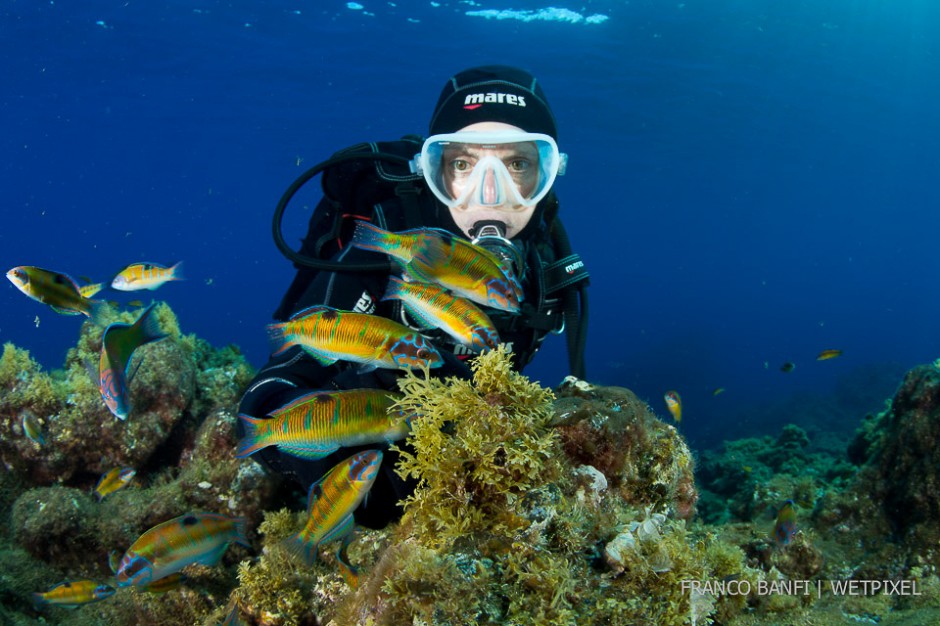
491,235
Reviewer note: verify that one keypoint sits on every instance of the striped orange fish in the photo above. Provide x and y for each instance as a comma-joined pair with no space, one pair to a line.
432,255
73,594
169,547
433,307
317,424
331,502
146,276
329,335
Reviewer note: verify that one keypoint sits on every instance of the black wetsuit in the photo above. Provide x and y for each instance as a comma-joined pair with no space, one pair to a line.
294,373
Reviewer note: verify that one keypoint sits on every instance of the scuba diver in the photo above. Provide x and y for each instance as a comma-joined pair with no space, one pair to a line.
485,173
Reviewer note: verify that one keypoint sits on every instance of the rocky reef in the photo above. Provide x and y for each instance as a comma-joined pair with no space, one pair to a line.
576,505
179,437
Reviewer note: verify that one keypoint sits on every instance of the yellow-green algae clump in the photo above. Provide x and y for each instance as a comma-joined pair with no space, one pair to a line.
499,530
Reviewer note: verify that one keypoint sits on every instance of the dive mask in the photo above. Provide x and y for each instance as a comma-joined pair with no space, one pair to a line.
490,168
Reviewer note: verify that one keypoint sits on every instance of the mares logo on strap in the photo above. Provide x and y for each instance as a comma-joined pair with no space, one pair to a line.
476,100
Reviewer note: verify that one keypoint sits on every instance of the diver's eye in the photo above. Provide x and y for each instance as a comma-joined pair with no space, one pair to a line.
519,166
460,166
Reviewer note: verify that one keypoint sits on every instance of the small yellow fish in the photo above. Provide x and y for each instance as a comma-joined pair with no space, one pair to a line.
73,594
718,390
88,291
146,276
674,404
112,480
825,355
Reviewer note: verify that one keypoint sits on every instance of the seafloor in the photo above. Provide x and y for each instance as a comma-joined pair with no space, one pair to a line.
576,505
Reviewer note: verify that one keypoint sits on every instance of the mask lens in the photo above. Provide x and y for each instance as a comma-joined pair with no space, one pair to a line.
490,169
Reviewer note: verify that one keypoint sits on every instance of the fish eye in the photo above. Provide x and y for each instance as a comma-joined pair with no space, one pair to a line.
424,353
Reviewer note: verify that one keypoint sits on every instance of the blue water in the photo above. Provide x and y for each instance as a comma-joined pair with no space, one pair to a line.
750,181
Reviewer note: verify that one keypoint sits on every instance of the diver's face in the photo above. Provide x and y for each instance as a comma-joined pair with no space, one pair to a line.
521,161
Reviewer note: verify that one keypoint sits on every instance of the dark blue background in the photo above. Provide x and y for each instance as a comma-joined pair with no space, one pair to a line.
750,181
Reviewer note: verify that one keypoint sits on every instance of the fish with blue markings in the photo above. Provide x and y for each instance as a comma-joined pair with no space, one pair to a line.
73,594
114,479
330,335
330,505
57,290
433,255
169,547
785,526
32,428
432,306
319,423
118,343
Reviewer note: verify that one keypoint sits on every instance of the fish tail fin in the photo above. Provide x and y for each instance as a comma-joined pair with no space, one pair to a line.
370,237
176,271
149,326
302,546
39,602
241,531
97,309
394,289
254,438
276,335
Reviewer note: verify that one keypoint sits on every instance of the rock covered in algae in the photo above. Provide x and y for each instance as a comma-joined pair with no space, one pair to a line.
643,459
180,437
505,528
902,458
81,434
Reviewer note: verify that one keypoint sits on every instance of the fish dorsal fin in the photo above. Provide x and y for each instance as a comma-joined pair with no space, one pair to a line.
67,281
317,308
316,490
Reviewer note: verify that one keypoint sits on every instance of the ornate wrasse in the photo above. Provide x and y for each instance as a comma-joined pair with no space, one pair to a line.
319,423
432,306
118,343
436,256
331,502
329,335
71,594
169,547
